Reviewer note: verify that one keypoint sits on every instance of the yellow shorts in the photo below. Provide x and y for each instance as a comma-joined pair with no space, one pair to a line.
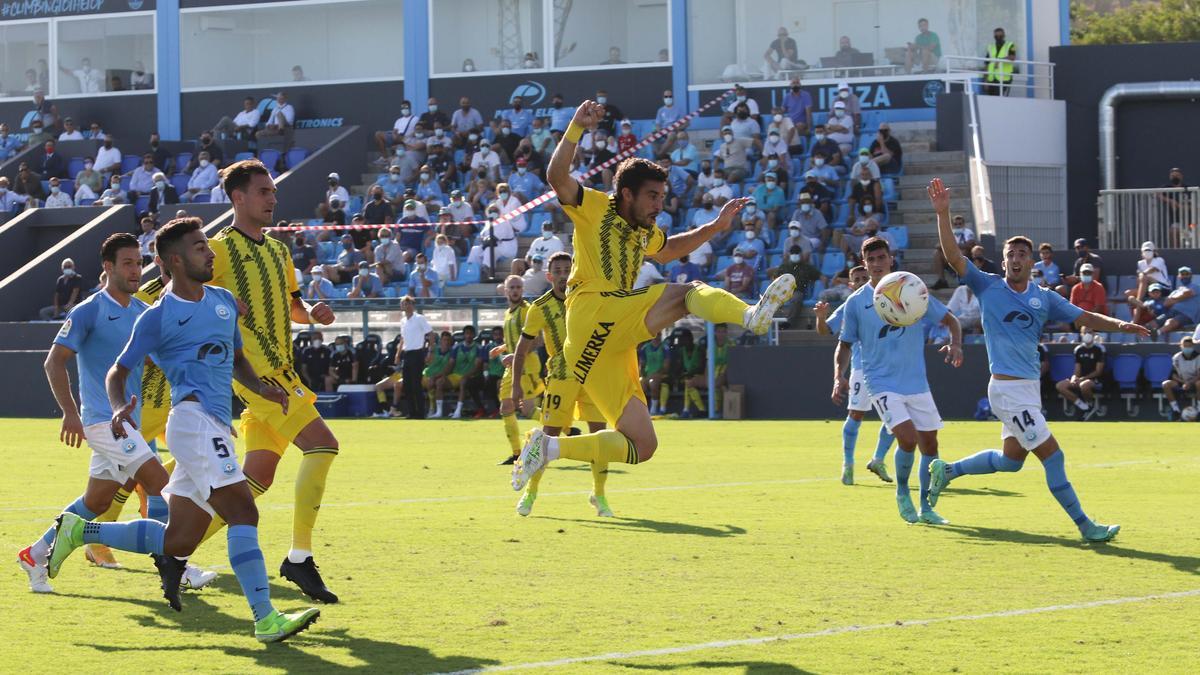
154,423
531,379
564,416
264,424
455,379
603,333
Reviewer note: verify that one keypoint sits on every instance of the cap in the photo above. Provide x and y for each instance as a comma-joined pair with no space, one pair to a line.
521,161
444,211
805,197
1175,169
1148,246
770,174
795,224
456,193
334,175
410,204
864,151
1157,287
536,257
1080,242
1184,269
726,128
843,85
357,216
810,174
626,123
362,264
1087,267
839,104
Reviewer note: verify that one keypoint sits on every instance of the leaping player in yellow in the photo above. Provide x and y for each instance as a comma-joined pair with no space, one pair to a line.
607,319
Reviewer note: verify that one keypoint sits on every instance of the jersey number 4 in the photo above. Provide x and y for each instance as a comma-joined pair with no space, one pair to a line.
1024,420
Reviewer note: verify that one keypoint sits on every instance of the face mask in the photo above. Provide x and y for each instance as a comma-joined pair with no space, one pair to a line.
316,344
385,237
409,213
484,150
473,137
546,234
708,205
738,259
681,143
1087,338
87,166
394,176
668,100
348,245
728,138
750,234
363,273
600,145
405,111
419,134
1188,351
154,144
863,159
492,215
819,161
433,108
864,183
601,100
805,208
117,186
819,137
456,200
844,93
340,348
795,257
1085,278
741,99
503,196
867,208
54,189
425,177
778,117
204,164
69,272
521,170
420,267
718,182
528,63
1147,255
771,185
505,131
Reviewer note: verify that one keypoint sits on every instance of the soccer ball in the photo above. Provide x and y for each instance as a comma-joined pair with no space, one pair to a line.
901,298
1188,414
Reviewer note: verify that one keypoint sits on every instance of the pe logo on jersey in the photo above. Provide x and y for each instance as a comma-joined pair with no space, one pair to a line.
1020,318
222,311
212,354
531,93
228,468
889,328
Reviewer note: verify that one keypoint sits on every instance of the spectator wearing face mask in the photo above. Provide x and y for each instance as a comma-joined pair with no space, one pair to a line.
1185,375
751,247
378,210
797,105
114,194
464,121
485,159
885,150
10,201
612,114
365,284
1084,256
108,157
507,203
203,178
771,199
317,358
1080,389
684,271
1148,312
720,192
864,226
336,190
840,127
392,186
9,145
519,117
38,135
423,282
825,146
741,97
507,141
795,238
827,174
444,261
796,264
738,277
734,156
402,130
496,237
215,154
389,257
1183,304
684,154
67,291
88,183
602,152
666,115
525,184
775,157
427,190
58,199
964,304
864,162
161,193
459,209
845,94
821,196
546,245
343,367
865,185
1151,269
560,114
141,179
744,126
1089,293
348,258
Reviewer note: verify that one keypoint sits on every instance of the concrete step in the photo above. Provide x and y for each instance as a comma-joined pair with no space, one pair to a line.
915,146
483,290
920,158
933,170
957,205
922,239
920,194
913,178
918,255
911,218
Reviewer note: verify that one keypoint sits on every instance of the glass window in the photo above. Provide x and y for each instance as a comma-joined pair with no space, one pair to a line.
772,38
24,57
609,33
473,36
355,40
97,55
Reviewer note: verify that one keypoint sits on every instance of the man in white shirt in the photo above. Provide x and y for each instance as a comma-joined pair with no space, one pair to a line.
319,288
243,124
459,208
415,333
336,190
546,245
720,192
57,198
141,179
840,127
647,275
965,305
701,255
70,131
281,121
740,95
486,157
402,130
203,179
499,235
91,81
108,158
508,202
217,195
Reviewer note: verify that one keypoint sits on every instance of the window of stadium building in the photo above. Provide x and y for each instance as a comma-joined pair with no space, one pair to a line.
776,39
476,36
353,40
105,55
24,58
617,32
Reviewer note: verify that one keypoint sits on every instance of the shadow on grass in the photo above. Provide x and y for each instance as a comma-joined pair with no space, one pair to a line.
748,667
1183,563
578,466
976,492
659,526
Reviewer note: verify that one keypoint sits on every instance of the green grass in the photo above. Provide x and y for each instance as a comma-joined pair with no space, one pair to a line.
735,531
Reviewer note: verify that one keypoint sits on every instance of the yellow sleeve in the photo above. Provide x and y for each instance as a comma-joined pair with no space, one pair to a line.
221,265
592,205
656,241
290,273
534,321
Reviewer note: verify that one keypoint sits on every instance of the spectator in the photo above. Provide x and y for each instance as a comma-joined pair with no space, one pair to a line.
1183,304
365,284
614,58
434,117
998,77
497,243
667,114
560,115
58,199
738,278
389,257
10,201
507,203
684,271
465,121
53,164
317,359
740,97
795,237
335,190
468,360
1177,203
648,274
304,253
1151,269
984,263
864,186
781,53
1045,264
108,158
141,179
1089,293
162,158
797,265
525,185
720,192
114,194
88,183
29,184
531,61
926,49
1084,256
519,117
215,154
864,226
94,131
424,282
827,174
413,228
535,278
611,114
546,245
9,145
1185,375
347,262
734,156
822,197
507,141
1148,312
771,198
378,211
840,127
540,139
320,288
139,79
38,135
754,237
743,126
885,150
797,105
846,94
626,141
685,154
460,210
445,262
217,195
864,162
486,161
775,157
67,291
1080,389
343,366
203,179
825,146
280,122
965,305
69,133
91,81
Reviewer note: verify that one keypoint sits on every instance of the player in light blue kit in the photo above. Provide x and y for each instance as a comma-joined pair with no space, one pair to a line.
1014,312
860,398
893,366
192,334
94,333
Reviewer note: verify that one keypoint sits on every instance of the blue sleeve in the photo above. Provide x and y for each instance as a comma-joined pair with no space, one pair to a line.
976,279
849,323
77,326
1060,308
937,311
147,333
835,319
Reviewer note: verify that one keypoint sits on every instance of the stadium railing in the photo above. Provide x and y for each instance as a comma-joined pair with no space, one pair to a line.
1129,217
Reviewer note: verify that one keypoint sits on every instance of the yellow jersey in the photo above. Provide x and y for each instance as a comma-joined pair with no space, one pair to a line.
548,316
514,325
260,274
608,250
156,391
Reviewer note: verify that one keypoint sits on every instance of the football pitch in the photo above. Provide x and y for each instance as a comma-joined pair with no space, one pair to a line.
735,550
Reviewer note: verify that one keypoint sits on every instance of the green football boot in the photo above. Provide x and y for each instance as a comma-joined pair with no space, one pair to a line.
847,474
68,536
907,511
525,506
276,627
937,480
879,468
601,504
1095,533
931,517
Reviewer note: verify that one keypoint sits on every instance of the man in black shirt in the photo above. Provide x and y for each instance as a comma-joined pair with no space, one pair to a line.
612,114
983,262
378,211
1085,255
343,367
67,292
316,359
1080,388
304,254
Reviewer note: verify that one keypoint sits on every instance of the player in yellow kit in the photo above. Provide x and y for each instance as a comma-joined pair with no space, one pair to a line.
547,320
531,374
258,270
607,318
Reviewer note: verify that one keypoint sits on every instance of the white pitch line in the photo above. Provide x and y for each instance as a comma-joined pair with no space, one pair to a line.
750,642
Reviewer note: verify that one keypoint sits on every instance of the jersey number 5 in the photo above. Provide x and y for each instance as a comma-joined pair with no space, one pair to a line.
220,448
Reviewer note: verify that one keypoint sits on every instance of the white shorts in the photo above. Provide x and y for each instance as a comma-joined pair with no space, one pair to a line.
860,396
116,459
896,409
205,458
1018,404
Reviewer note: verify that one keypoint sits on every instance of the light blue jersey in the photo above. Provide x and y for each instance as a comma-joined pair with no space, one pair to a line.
193,343
893,358
835,326
96,330
1012,321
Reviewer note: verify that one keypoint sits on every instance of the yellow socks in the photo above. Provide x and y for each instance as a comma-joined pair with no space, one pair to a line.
692,395
512,431
716,305
664,395
114,509
535,481
603,446
256,489
310,488
599,477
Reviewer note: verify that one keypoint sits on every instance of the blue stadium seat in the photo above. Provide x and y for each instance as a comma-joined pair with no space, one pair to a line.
242,156
295,156
833,262
202,198
74,166
1125,282
899,235
775,260
722,262
181,161
142,204
128,163
1062,366
180,181
68,186
1126,368
269,157
536,219
327,252
813,291
468,273
1156,368
125,183
1120,310
889,189
355,206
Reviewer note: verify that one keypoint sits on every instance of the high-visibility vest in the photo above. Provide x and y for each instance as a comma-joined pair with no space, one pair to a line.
999,68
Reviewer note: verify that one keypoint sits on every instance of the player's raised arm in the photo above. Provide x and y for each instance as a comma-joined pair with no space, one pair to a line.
1099,322
821,310
939,196
684,243
558,172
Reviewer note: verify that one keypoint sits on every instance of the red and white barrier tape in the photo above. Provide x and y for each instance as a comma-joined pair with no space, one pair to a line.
548,195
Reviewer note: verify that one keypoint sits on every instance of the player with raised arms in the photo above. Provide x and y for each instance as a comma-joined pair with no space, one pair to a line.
607,318
893,365
1014,312
192,334
860,397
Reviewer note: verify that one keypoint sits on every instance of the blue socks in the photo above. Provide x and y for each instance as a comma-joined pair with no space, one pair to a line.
246,558
78,509
885,442
849,439
136,536
904,464
924,479
984,461
156,508
1060,487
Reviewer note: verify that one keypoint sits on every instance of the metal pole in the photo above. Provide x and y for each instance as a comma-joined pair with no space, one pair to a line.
366,326
710,334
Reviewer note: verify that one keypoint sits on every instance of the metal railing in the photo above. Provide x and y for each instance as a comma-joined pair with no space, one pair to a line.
1034,78
1165,216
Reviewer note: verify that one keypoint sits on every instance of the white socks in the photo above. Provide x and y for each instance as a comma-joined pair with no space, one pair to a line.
551,446
1080,404
298,555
